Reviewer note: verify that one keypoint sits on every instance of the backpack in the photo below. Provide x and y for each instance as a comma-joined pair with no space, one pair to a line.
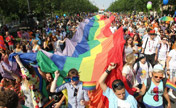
149,84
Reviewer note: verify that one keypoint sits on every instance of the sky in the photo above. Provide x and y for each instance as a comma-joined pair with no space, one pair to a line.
102,4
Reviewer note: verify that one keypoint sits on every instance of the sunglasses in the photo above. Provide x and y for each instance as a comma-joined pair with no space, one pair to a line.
158,77
76,78
117,85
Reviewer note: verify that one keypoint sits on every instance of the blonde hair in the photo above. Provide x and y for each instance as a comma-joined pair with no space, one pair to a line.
158,71
130,59
35,41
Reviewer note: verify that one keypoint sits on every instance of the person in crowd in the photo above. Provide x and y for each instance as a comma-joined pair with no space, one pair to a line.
48,44
113,28
18,48
153,89
118,96
5,55
149,47
10,40
30,85
57,44
48,78
77,97
171,68
9,99
28,47
137,42
129,47
162,51
142,70
35,47
128,71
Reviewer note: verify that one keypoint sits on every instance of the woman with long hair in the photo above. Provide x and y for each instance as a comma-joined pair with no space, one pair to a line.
18,48
137,42
30,85
129,47
35,47
48,78
128,71
48,44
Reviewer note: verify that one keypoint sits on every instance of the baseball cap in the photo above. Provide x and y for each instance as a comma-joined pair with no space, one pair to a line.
152,32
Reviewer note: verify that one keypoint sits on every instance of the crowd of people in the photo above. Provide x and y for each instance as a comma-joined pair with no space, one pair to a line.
149,59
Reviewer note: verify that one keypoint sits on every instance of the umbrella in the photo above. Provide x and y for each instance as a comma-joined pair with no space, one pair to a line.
166,18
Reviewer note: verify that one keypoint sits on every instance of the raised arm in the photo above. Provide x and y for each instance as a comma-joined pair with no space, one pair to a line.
167,64
41,73
104,75
53,85
19,61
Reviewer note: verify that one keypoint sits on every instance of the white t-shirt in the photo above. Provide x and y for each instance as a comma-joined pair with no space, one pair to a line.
162,51
143,72
123,104
113,29
129,74
150,46
172,61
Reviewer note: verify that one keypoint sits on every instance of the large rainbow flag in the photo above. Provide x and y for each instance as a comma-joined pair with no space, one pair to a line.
90,51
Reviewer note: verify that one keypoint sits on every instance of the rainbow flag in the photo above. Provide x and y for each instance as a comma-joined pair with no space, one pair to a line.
89,85
51,102
2,44
90,51
170,85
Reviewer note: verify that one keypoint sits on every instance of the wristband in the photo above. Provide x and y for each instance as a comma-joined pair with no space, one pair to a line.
108,72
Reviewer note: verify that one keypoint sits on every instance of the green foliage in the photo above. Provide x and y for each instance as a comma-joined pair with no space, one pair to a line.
18,9
139,5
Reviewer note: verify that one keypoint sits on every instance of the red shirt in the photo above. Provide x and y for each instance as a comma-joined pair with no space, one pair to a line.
9,39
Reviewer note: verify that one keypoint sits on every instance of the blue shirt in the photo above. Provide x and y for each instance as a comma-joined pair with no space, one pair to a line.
74,101
113,99
149,96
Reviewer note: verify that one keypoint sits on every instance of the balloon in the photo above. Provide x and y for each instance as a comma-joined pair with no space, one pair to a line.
165,2
149,6
64,15
175,13
149,2
175,19
57,16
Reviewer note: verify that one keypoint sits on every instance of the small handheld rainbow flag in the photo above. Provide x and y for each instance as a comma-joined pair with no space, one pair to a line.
51,102
91,85
170,85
